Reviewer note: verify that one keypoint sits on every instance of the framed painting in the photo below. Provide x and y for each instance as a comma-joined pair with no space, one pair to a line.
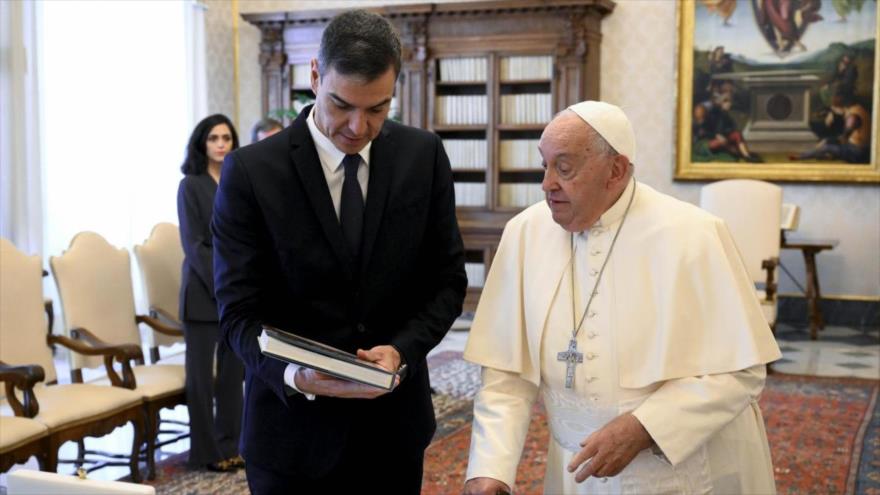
783,90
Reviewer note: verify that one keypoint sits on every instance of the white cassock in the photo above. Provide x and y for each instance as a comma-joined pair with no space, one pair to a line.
675,335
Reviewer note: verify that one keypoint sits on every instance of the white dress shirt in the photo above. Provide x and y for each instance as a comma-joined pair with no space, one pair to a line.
334,173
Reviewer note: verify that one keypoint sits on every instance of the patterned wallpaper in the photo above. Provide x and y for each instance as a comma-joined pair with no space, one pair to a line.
249,77
638,73
219,57
220,61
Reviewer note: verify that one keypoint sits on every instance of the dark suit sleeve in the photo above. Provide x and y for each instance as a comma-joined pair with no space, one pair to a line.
194,225
443,279
241,251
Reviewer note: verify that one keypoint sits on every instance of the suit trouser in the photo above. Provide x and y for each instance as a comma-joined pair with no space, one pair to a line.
365,467
213,437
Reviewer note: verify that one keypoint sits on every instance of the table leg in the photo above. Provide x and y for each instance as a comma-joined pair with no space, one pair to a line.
813,309
820,319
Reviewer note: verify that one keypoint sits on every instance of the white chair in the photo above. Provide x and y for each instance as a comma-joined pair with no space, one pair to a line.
94,286
752,211
27,482
22,437
69,412
160,259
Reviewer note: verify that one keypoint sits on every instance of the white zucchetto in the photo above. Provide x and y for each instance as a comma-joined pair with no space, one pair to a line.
611,123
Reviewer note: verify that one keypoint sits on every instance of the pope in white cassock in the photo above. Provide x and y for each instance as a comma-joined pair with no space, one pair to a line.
631,314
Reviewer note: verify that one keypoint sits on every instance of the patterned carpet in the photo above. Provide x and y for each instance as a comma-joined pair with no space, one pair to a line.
824,437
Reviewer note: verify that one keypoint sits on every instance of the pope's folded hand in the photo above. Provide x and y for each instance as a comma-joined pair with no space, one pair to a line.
611,448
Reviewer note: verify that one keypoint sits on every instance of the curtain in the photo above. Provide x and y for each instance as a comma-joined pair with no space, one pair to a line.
197,82
21,207
117,92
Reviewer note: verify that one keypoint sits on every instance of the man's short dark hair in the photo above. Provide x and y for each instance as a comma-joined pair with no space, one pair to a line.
358,43
264,125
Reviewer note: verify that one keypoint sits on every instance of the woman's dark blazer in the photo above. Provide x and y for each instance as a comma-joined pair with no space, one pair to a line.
195,202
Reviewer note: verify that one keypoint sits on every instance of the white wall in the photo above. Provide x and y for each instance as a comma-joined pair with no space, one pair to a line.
219,60
638,73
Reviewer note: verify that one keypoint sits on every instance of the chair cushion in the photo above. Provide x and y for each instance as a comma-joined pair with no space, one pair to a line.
63,406
160,258
22,317
176,359
155,381
15,432
753,224
94,287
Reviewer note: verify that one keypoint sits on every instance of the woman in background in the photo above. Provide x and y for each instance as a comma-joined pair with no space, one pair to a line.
213,438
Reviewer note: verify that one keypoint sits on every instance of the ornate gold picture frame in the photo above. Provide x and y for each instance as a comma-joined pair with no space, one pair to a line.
783,90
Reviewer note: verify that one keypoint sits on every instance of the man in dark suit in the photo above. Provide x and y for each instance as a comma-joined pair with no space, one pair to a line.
342,229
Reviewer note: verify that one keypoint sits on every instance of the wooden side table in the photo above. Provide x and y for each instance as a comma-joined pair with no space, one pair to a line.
810,248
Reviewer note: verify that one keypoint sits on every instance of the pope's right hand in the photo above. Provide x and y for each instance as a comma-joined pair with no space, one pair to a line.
485,486
309,381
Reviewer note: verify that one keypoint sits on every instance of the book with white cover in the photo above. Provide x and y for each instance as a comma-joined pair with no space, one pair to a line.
791,214
292,348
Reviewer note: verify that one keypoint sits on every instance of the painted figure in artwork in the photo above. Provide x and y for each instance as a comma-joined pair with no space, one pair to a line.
783,22
781,81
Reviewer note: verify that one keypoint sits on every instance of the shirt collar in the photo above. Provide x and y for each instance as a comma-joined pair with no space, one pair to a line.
331,157
615,213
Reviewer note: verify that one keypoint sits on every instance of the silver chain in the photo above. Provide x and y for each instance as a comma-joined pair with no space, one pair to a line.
601,270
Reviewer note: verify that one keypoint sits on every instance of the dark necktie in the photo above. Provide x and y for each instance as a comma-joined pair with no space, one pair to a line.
351,208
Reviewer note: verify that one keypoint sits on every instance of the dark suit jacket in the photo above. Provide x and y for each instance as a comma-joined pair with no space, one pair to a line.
280,258
195,201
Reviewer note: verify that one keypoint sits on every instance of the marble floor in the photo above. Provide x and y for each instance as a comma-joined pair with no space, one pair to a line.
839,351
455,339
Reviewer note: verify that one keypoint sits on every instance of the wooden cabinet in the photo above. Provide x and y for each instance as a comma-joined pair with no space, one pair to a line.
485,76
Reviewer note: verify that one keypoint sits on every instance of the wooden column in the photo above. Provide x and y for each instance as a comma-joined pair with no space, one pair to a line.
413,72
274,74
578,59
592,56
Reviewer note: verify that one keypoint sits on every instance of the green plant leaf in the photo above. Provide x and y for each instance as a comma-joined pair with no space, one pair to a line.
842,7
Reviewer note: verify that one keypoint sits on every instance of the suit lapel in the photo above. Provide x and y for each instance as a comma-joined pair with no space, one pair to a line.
381,169
308,167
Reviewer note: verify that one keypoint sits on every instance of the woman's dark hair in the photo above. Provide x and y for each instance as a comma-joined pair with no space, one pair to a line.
196,161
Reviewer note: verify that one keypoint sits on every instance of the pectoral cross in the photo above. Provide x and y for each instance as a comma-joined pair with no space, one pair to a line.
571,357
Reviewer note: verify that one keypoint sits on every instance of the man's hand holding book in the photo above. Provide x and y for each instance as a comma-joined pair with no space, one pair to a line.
310,381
